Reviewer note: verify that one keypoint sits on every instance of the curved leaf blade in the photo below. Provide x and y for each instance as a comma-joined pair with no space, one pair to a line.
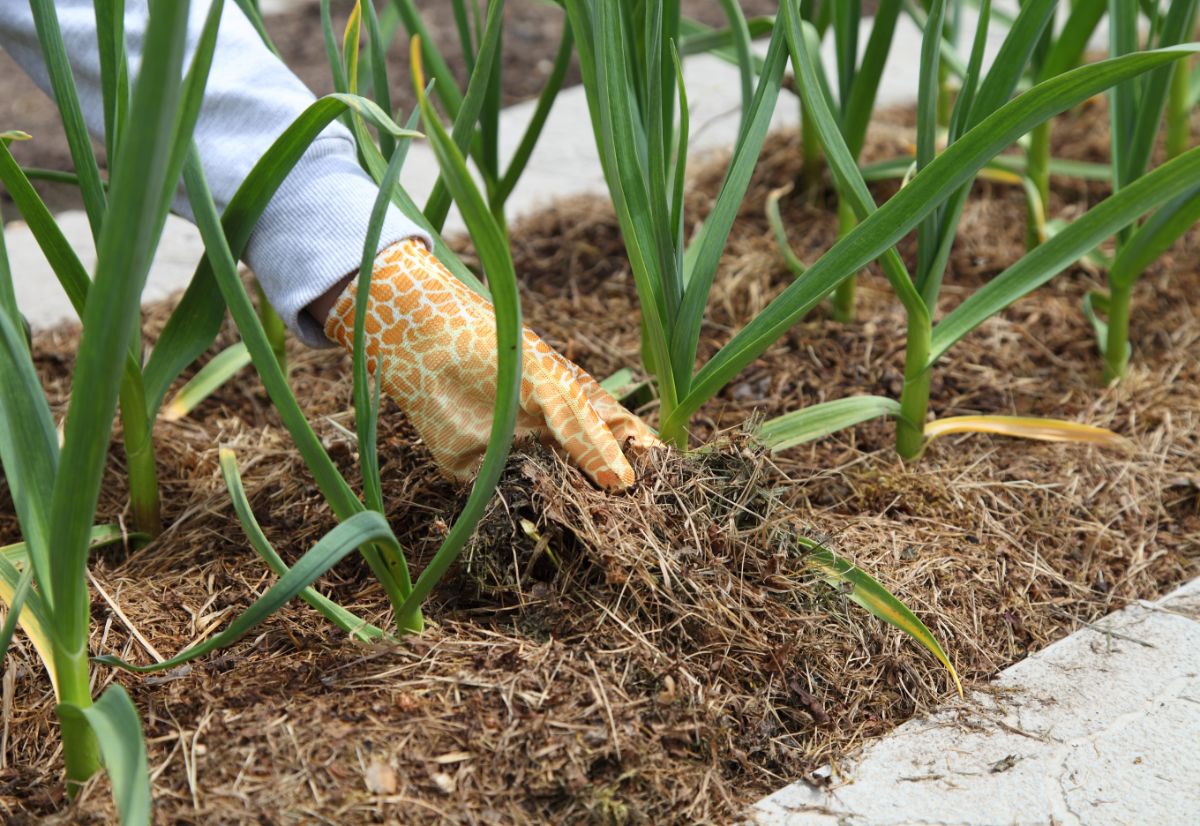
438,205
362,528
870,595
1153,238
29,450
714,234
62,81
26,609
820,420
1095,304
493,250
924,193
1165,183
357,628
387,561
1026,427
26,606
775,221
212,376
125,246
118,729
197,319
366,405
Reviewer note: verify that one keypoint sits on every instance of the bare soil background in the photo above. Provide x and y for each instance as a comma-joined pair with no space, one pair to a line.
661,656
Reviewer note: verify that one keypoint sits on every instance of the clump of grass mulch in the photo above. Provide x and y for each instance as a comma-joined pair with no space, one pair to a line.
663,655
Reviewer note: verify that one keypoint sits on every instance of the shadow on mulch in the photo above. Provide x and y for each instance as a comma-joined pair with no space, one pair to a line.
658,656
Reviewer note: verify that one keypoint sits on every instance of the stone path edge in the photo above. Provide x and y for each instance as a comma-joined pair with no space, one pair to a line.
1100,727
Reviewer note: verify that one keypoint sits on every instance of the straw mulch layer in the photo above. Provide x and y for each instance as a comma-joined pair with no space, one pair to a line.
660,656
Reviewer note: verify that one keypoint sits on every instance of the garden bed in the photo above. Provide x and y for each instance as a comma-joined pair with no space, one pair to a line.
662,655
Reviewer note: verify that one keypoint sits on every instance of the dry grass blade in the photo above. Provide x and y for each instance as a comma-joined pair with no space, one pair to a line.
1026,427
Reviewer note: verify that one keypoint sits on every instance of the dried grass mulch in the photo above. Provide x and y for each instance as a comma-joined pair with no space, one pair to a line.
661,656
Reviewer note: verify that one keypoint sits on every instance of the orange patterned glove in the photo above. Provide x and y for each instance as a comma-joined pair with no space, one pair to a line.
437,342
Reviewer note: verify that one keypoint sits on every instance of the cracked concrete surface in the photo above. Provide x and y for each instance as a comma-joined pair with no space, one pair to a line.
1099,728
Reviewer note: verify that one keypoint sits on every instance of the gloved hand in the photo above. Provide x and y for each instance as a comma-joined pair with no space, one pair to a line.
437,342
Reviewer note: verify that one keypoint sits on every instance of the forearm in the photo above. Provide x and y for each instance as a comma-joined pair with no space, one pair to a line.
310,236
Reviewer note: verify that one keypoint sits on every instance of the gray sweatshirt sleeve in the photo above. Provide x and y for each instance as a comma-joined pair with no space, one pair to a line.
311,234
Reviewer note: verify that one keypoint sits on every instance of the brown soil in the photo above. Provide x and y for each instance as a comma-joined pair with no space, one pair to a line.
659,656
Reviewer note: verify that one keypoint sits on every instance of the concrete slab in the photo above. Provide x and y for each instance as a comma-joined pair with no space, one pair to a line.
1099,728
41,297
269,7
